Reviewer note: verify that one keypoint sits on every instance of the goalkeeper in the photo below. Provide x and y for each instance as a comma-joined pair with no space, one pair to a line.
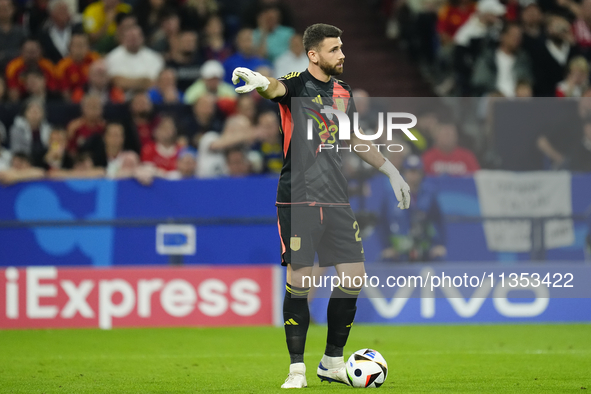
314,215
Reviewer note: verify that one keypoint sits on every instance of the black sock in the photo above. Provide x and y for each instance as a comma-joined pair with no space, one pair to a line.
296,316
340,316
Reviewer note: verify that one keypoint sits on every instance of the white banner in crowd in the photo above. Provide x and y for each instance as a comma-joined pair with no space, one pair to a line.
531,194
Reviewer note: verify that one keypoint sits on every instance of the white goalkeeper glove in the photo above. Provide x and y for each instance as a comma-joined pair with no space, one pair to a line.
401,188
253,80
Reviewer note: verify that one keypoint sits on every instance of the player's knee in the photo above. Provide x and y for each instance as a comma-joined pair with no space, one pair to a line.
299,276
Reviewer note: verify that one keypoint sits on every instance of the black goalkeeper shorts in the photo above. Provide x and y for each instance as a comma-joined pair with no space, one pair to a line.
332,232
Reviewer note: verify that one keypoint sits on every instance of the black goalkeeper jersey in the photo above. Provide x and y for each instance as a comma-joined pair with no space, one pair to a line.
311,173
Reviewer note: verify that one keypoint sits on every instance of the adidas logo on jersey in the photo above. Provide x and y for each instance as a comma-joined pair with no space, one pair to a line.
291,75
317,100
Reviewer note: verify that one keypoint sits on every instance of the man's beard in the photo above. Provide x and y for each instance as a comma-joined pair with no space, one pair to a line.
328,69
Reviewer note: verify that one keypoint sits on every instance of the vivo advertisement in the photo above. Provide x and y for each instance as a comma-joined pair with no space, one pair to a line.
116,272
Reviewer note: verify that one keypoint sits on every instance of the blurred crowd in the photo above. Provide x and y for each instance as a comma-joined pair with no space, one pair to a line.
504,50
513,48
140,88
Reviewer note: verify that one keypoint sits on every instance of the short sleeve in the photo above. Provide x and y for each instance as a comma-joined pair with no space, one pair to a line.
293,84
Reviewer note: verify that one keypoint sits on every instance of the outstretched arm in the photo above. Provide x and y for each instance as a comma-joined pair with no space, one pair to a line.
268,88
374,158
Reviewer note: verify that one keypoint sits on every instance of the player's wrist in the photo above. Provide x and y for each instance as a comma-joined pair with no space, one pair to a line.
264,84
389,169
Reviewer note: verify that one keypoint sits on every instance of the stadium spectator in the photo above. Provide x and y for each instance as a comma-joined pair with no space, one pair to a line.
36,87
557,144
477,34
295,59
163,152
186,165
29,133
90,123
501,69
577,80
34,16
21,170
194,13
30,58
132,66
249,16
184,59
106,148
165,91
83,168
247,107
169,28
582,29
550,58
72,71
214,45
11,35
417,233
245,55
211,161
141,123
127,165
532,24
123,21
268,144
55,156
367,116
56,35
581,160
98,83
237,162
148,14
5,154
205,117
451,17
416,22
270,37
211,81
99,20
446,157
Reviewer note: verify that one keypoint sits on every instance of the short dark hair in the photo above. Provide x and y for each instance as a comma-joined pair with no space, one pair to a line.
121,16
23,156
81,157
33,71
508,26
315,34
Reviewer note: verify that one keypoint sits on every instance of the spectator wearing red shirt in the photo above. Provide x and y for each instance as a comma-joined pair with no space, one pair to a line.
163,152
90,123
72,71
446,157
30,58
452,16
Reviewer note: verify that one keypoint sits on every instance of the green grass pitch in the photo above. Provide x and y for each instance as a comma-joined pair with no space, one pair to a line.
421,359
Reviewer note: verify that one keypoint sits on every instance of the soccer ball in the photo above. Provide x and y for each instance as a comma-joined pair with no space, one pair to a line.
367,368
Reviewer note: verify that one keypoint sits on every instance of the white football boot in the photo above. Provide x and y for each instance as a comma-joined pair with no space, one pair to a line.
332,369
296,378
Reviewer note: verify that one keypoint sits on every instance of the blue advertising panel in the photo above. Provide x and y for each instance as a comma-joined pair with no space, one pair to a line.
239,213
